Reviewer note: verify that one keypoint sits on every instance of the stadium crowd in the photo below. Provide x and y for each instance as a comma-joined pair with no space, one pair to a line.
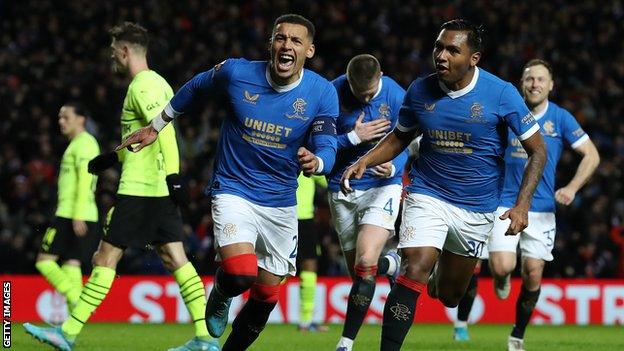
52,52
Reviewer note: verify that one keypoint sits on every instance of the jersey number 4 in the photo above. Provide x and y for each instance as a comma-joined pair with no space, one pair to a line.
388,206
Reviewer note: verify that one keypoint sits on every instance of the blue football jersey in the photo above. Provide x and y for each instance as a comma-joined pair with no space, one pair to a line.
464,138
557,125
266,124
385,104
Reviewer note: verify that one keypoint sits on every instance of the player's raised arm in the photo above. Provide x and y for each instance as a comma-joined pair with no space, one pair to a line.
179,104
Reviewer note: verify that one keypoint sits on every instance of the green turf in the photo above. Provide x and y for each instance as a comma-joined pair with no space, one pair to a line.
284,337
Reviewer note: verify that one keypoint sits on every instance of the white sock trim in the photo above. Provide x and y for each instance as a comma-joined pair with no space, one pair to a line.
392,266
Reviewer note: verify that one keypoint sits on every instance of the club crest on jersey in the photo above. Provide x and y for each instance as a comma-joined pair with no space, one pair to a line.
549,128
298,110
384,111
429,107
251,98
476,113
230,229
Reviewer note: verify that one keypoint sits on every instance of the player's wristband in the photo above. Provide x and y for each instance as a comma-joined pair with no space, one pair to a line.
319,169
353,138
392,172
159,123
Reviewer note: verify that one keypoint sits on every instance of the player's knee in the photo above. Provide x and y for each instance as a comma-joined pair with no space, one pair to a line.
41,257
237,273
102,259
367,259
418,271
501,266
172,262
532,279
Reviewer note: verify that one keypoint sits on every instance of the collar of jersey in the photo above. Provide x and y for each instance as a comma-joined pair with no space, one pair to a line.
541,114
454,94
378,89
282,88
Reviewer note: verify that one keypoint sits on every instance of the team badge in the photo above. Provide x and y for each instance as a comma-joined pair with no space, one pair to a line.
384,111
401,312
361,300
408,233
549,128
429,107
298,110
230,229
251,98
476,113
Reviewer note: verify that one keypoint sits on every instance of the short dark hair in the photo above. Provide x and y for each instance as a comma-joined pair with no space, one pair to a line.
132,33
296,19
79,108
538,62
475,40
362,69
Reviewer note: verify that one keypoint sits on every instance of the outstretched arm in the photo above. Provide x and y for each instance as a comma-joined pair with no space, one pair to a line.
180,103
388,148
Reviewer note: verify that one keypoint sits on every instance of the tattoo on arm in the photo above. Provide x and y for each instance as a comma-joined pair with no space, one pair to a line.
532,175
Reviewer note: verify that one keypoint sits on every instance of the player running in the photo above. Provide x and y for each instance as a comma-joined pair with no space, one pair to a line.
145,212
464,113
76,227
536,240
282,121
364,219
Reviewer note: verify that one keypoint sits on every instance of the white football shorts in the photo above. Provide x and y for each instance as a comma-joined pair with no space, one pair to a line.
376,206
272,230
536,241
430,222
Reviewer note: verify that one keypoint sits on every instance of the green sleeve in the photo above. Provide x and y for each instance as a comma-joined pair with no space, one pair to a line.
85,183
147,100
169,149
150,102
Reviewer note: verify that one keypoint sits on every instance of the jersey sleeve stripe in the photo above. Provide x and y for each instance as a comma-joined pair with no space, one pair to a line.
579,142
171,112
529,132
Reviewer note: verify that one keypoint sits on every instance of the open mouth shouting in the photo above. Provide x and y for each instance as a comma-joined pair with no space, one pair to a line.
285,62
441,69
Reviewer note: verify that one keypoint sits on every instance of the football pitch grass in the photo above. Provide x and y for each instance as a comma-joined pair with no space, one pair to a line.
139,337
